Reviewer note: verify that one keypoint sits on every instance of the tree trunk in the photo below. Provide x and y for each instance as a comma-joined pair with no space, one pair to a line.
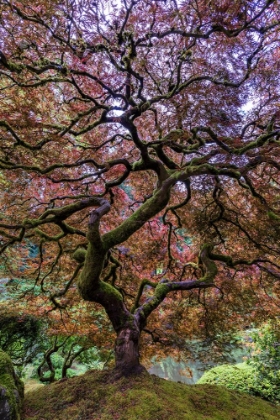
127,351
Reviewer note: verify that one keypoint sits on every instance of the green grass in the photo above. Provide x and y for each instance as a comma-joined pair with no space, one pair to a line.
97,396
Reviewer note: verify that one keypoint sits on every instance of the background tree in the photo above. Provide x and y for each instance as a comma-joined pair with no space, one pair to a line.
17,337
53,347
265,359
161,119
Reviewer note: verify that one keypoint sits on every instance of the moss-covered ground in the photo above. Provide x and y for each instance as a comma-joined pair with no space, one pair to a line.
98,396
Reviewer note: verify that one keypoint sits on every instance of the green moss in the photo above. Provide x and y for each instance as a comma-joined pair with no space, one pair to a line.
145,106
12,389
149,208
145,282
30,223
273,216
15,67
160,292
109,290
49,237
89,277
224,258
96,395
80,255
208,264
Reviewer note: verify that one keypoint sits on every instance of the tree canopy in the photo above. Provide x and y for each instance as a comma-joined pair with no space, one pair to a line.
139,162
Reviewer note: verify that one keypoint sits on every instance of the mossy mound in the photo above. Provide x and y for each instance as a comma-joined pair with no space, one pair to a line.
11,390
97,396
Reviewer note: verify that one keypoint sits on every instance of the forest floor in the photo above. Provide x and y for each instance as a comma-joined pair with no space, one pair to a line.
97,396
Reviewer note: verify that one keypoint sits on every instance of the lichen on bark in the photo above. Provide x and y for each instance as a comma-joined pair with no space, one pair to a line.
11,390
208,266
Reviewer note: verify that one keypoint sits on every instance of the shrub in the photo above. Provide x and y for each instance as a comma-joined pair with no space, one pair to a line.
239,377
246,378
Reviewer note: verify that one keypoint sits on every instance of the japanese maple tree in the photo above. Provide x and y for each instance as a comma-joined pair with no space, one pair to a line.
139,154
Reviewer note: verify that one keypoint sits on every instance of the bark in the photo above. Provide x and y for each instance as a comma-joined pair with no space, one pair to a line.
127,354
